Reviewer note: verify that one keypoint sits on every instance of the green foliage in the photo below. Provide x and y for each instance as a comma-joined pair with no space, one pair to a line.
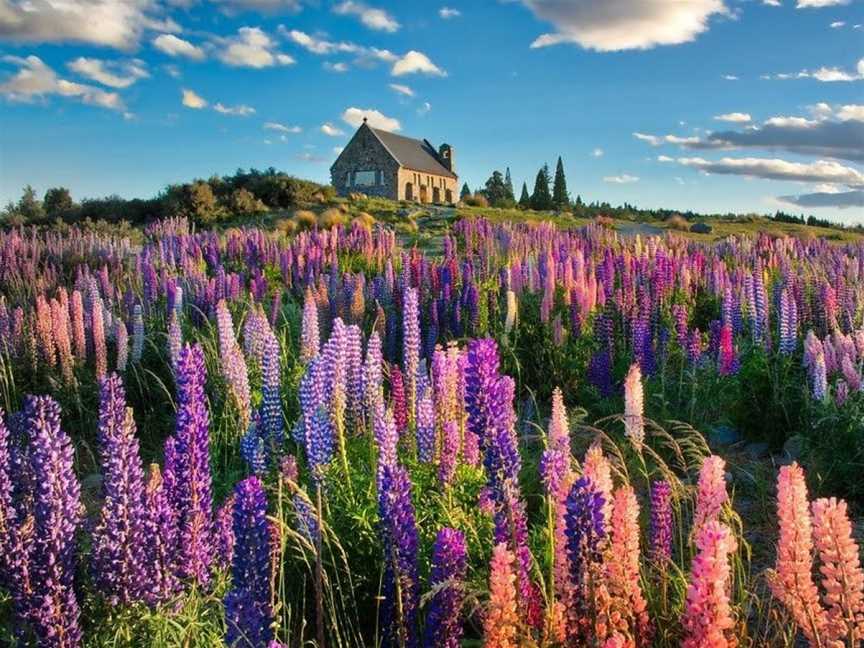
243,202
58,202
466,191
525,199
560,197
496,191
541,199
834,447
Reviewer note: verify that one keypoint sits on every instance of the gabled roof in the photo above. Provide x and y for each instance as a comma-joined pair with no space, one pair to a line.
417,155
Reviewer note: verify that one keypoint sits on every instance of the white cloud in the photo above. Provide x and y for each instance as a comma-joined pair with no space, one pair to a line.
354,117
241,110
791,122
338,68
614,25
416,62
448,12
734,117
424,109
597,152
851,112
772,3
316,45
624,178
252,48
174,46
837,24
659,140
373,18
730,77
402,89
331,130
35,80
338,149
115,74
824,74
261,6
282,128
192,99
777,169
804,4
108,23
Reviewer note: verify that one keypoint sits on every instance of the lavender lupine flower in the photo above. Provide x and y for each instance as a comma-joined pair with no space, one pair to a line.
175,338
247,605
121,342
373,387
386,437
449,563
307,518
224,531
320,441
399,540
253,449
79,337
841,392
53,608
788,322
449,452
137,333
660,530
160,536
310,335
694,346
353,346
271,385
7,513
425,421
233,364
193,485
818,377
411,349
118,538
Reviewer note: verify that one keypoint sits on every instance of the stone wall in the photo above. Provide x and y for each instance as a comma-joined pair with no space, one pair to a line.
365,153
423,185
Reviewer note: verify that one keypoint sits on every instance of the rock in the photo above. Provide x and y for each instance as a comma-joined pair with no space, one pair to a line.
756,450
723,435
701,228
794,447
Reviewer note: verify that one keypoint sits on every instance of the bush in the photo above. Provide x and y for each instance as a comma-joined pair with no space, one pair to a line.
678,222
286,226
331,217
305,219
476,200
365,220
242,202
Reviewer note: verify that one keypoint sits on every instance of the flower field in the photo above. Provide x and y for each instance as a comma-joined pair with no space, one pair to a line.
251,440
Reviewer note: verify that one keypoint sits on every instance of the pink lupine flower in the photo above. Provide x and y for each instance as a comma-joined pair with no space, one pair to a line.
791,580
501,624
97,325
711,492
634,424
842,576
707,619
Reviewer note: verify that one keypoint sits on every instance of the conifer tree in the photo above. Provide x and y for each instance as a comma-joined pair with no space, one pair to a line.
541,199
465,192
508,185
560,197
525,199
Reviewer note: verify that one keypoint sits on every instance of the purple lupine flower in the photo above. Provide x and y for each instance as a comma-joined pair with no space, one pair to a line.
386,437
841,392
788,323
353,345
399,540
288,469
411,348
425,421
307,518
248,611
310,335
137,333
694,346
175,339
449,452
7,512
121,342
600,372
660,530
224,532
320,441
253,449
373,388
118,538
193,480
233,364
160,535
271,385
449,563
53,608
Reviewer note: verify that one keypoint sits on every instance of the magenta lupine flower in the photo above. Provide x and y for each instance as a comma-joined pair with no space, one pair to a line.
118,538
397,393
449,564
160,541
97,326
660,530
233,364
425,422
225,532
193,485
399,541
53,608
727,360
137,333
310,335
248,611
411,348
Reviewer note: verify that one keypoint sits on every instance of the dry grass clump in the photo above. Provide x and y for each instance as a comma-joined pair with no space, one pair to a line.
305,219
678,222
287,226
604,221
331,217
365,220
476,200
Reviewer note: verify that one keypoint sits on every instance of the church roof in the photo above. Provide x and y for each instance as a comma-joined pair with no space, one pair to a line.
417,155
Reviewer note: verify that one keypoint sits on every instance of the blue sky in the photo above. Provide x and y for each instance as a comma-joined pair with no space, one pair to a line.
710,105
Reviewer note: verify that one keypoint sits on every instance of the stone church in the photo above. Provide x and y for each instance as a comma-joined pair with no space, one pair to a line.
379,163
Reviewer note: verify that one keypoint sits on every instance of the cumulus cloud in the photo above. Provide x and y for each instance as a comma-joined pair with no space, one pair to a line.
851,112
841,200
252,48
659,140
804,4
624,178
241,110
447,13
363,56
614,25
354,117
373,18
282,128
415,62
114,74
777,169
402,89
174,46
35,80
331,130
192,99
108,23
734,117
824,74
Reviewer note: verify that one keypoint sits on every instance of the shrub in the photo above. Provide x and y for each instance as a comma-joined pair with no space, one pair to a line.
305,219
242,202
331,217
476,200
286,226
677,222
364,219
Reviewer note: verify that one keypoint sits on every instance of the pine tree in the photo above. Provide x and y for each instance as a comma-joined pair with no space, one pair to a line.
508,184
560,197
541,199
525,199
496,191
465,192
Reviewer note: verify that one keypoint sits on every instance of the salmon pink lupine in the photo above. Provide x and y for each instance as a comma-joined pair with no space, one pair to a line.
842,576
501,622
791,581
634,424
707,619
711,492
